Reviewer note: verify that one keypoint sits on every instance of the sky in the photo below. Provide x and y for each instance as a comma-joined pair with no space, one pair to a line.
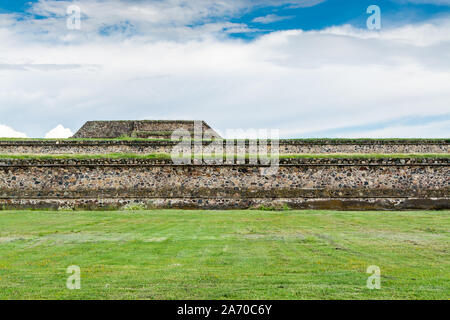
310,68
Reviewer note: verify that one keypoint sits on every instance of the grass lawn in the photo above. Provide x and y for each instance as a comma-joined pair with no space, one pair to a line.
175,254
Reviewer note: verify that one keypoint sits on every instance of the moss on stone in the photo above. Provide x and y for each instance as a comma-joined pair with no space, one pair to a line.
163,156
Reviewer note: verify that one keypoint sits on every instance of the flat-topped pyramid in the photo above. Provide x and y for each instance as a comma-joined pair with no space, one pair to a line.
149,129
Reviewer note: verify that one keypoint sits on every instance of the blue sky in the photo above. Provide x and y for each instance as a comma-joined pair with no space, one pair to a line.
338,12
325,14
310,68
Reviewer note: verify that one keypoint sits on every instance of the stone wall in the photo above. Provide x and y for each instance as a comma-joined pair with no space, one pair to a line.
286,146
156,129
299,183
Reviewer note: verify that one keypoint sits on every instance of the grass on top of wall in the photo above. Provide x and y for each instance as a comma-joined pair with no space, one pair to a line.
367,156
309,140
189,254
82,139
163,156
157,156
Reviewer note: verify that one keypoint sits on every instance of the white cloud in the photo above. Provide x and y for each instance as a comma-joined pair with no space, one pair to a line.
436,2
8,132
300,82
163,19
422,35
59,132
433,130
271,18
306,3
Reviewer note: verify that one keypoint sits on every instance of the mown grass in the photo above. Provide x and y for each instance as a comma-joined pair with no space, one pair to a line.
224,254
162,156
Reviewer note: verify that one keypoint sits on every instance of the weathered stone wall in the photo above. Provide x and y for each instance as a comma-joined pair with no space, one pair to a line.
286,147
299,183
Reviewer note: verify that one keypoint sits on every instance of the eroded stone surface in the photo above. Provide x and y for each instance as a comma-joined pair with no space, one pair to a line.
285,147
156,129
299,183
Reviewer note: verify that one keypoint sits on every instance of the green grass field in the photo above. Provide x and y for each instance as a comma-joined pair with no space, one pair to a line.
169,254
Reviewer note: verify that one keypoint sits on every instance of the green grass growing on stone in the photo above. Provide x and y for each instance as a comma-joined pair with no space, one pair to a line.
307,140
84,156
170,254
367,156
122,138
162,156
359,140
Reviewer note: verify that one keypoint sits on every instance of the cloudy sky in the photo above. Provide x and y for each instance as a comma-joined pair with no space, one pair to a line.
310,68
